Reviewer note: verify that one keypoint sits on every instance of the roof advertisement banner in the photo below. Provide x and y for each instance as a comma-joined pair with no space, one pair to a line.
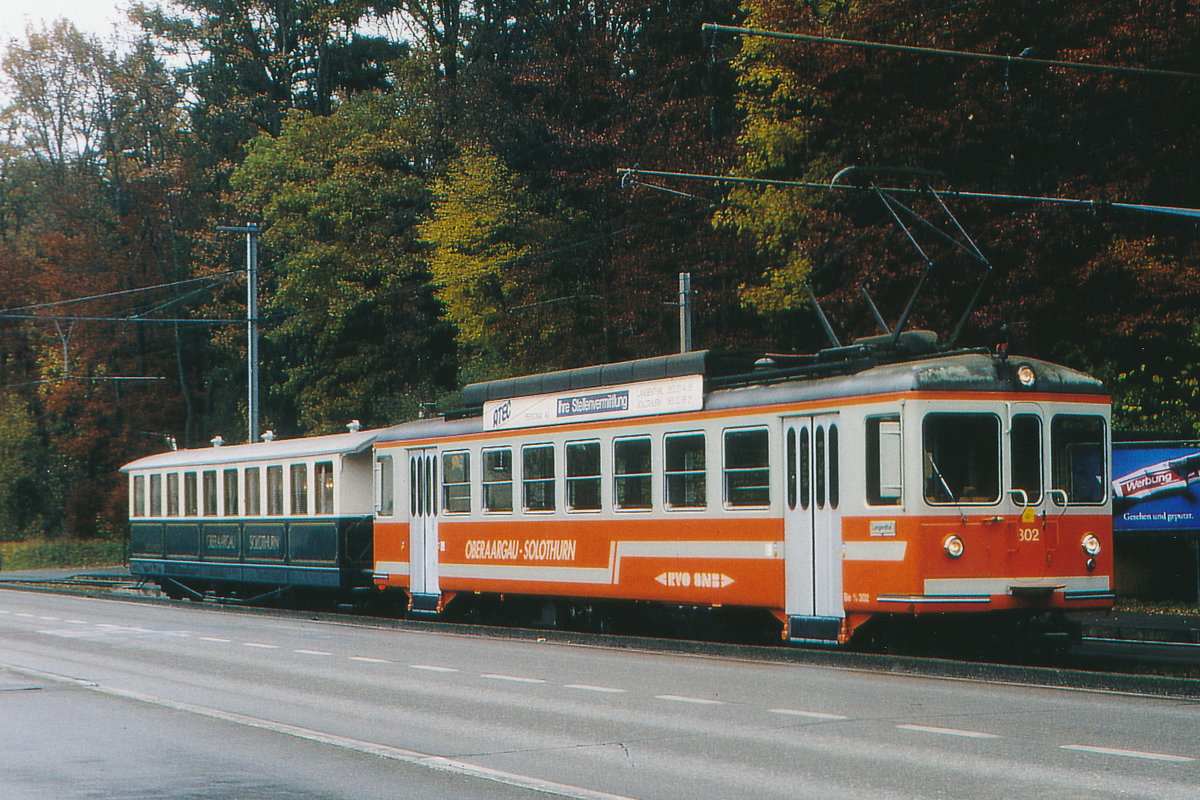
1156,487
665,396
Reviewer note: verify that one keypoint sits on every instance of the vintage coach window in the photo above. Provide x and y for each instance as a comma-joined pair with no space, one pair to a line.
386,486
631,473
962,458
275,491
323,483
253,492
156,495
1078,444
191,495
172,494
747,468
537,477
231,492
299,477
210,493
583,476
685,471
497,479
456,482
139,495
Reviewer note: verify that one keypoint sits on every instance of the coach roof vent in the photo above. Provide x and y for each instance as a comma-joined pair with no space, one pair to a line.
268,437
355,426
217,441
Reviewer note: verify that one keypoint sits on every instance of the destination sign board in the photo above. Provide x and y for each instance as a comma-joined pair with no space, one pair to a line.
645,398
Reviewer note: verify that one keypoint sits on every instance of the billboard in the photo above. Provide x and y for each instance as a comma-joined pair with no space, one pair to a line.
1156,486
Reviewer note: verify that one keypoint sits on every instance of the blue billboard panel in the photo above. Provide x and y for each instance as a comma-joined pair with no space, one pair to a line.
1156,487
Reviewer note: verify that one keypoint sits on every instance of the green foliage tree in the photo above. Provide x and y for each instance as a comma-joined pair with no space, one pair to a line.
341,197
18,439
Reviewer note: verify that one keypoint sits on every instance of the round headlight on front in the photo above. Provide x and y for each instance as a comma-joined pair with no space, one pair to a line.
1091,545
1026,376
954,546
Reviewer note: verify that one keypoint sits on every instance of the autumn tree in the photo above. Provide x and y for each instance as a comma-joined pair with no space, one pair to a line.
1109,292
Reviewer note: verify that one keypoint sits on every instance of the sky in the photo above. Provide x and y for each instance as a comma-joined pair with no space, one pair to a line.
96,17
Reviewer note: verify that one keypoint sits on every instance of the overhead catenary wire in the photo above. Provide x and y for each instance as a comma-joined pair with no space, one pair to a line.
631,176
962,54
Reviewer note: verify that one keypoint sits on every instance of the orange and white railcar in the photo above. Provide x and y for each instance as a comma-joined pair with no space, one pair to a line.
884,479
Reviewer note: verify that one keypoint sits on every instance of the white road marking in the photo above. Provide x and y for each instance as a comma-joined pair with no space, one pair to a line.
23,614
260,645
585,687
77,622
512,678
949,731
413,757
215,639
313,652
678,698
369,660
1113,751
792,712
432,668
50,619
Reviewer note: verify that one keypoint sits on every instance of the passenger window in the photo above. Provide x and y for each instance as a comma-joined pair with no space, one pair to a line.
172,494
686,485
210,492
323,477
792,476
191,495
747,468
883,450
1025,442
583,476
275,491
231,492
156,495
537,477
456,482
139,495
834,467
820,465
962,458
386,488
299,477
253,492
1078,446
631,473
497,480
805,468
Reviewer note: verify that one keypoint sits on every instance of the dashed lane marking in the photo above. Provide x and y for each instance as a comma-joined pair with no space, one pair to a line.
678,698
432,668
795,712
313,652
261,645
511,678
948,731
216,639
1113,751
369,660
586,687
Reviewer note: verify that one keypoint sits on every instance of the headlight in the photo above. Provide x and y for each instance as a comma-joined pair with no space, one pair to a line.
1091,545
954,546
1026,376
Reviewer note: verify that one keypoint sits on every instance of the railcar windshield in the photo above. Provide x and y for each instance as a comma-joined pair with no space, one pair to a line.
962,458
1078,459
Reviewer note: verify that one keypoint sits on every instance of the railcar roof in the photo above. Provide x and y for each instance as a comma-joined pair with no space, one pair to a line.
278,450
963,372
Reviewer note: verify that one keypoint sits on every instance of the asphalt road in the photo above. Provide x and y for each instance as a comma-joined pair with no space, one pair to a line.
109,699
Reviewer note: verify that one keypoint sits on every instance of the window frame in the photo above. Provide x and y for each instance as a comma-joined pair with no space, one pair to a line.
644,480
688,475
593,480
453,491
729,473
489,486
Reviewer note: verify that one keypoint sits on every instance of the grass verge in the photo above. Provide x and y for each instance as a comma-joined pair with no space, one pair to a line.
50,553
